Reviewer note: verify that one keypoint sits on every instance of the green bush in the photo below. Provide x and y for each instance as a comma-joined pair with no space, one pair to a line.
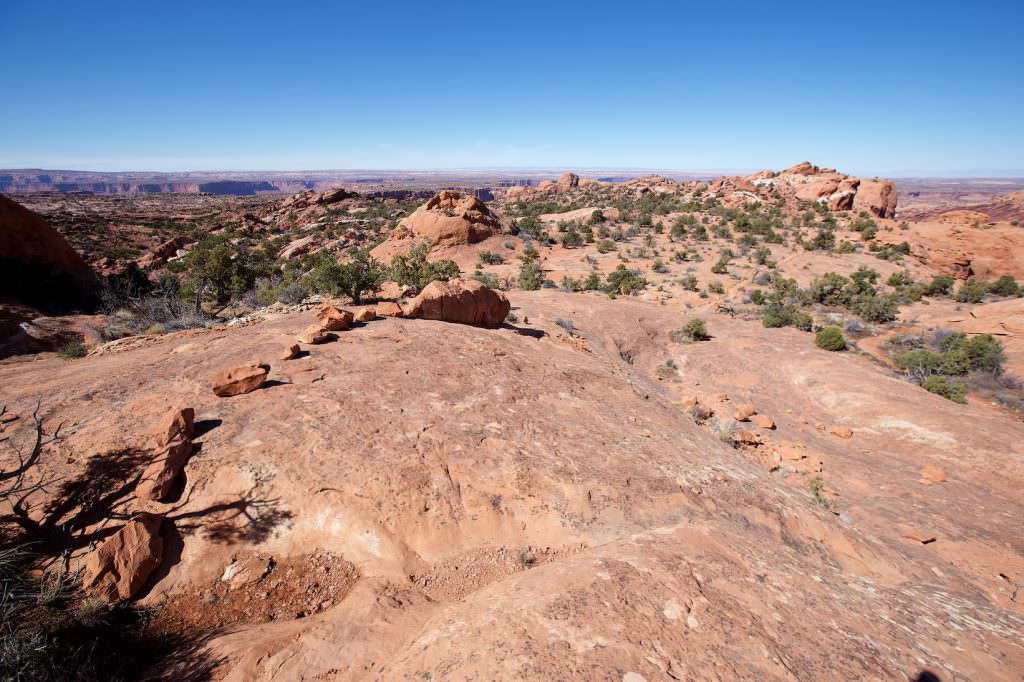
1005,286
949,390
788,315
414,270
694,330
490,258
830,338
971,291
941,285
73,349
353,278
624,282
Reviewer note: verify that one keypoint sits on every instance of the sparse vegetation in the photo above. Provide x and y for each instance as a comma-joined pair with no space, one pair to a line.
831,339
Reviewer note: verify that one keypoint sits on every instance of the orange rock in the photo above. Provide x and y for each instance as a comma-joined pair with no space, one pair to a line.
931,474
119,567
334,319
746,437
313,334
178,424
240,379
389,309
763,421
291,351
744,412
842,432
157,481
462,301
366,315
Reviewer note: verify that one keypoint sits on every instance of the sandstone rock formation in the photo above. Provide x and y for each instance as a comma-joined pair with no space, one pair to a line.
157,481
37,266
240,379
119,567
333,319
389,309
462,301
447,219
808,183
177,424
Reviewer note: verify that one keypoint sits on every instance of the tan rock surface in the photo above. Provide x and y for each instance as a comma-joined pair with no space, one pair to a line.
426,447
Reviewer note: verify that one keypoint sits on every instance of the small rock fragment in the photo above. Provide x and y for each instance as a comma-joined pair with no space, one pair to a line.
843,432
763,421
291,351
932,474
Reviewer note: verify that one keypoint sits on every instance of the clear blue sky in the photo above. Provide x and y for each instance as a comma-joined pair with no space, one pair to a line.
866,87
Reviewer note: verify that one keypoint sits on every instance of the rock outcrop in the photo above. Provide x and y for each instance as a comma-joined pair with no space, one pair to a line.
806,182
119,567
37,266
447,219
462,301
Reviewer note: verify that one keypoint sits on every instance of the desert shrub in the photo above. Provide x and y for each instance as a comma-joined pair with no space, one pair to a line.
716,288
785,315
941,285
571,238
567,325
490,258
757,297
875,308
830,338
623,281
531,226
971,291
414,270
950,390
217,270
900,279
722,266
1005,286
824,240
829,289
659,266
694,330
73,349
353,278
689,283
983,352
486,278
605,246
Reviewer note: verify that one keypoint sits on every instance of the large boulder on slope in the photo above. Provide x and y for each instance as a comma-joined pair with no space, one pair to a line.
447,219
877,197
37,266
462,301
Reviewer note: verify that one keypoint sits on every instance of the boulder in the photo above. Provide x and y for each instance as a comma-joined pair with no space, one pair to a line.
743,412
240,379
247,571
389,309
763,421
877,197
447,219
291,351
366,315
297,248
119,567
157,481
334,319
315,335
178,424
159,255
568,181
462,301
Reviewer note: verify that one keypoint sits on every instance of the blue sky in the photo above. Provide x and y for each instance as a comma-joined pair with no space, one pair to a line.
866,87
